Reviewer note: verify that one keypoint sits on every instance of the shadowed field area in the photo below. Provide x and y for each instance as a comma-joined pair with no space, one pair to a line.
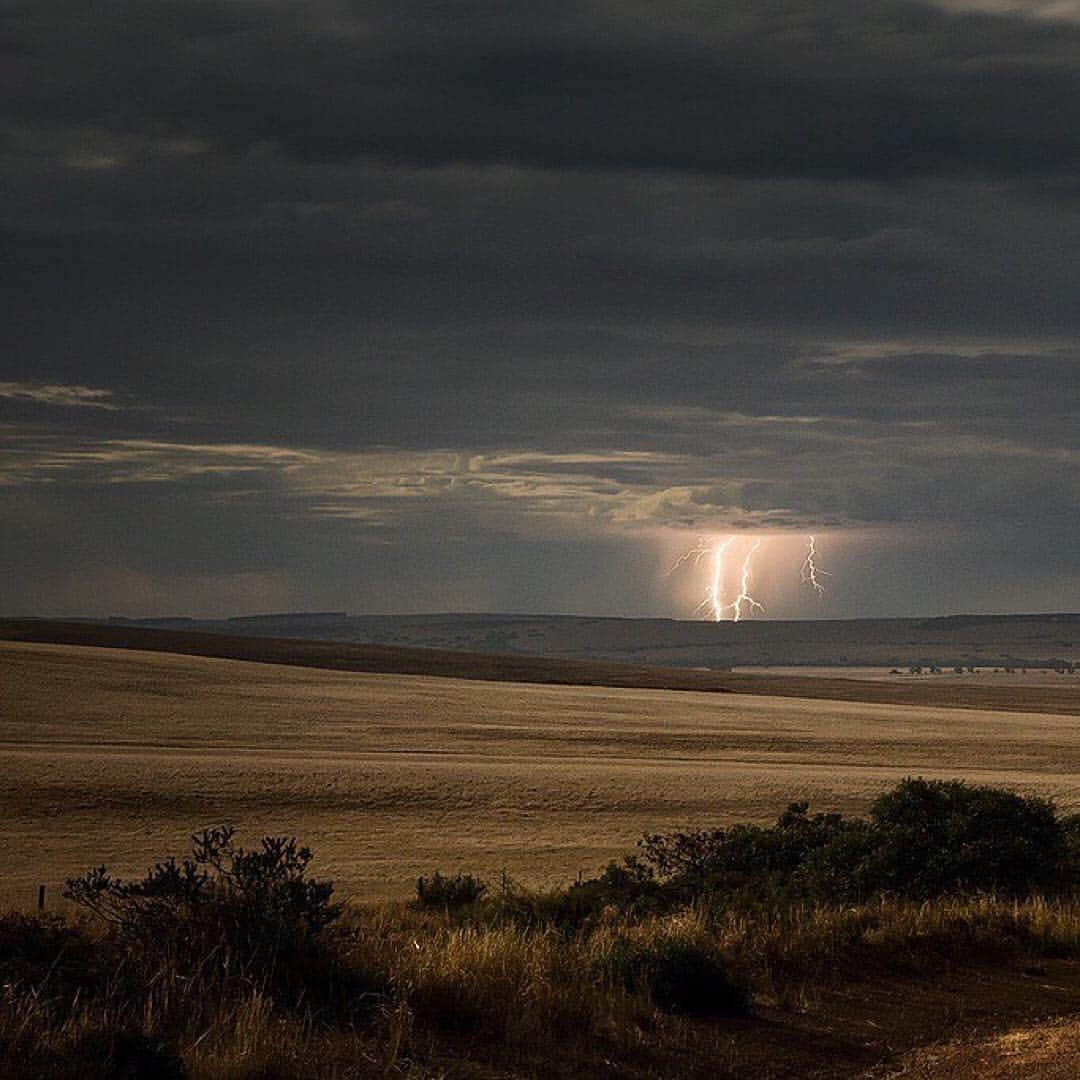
1048,693
118,756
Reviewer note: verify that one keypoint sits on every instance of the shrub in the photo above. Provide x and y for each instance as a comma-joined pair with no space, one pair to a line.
681,977
257,892
44,955
448,893
256,913
230,964
802,856
934,836
922,839
628,888
1070,849
684,978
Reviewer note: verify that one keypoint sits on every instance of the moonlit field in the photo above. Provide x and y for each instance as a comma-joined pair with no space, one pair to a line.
122,755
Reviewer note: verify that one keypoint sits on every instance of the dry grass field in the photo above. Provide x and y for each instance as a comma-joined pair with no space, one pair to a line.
117,756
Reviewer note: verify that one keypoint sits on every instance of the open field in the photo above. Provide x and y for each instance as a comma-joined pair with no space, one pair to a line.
1031,691
118,756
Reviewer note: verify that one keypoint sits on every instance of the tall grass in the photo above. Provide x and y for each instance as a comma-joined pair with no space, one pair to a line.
474,991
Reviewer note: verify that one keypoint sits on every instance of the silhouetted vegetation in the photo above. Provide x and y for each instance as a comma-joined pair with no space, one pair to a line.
257,913
923,839
235,962
448,893
680,976
260,895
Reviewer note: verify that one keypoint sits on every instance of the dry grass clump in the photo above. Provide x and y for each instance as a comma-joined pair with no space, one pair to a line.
791,952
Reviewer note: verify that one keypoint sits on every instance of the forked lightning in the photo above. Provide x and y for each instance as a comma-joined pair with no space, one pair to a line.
811,574
743,605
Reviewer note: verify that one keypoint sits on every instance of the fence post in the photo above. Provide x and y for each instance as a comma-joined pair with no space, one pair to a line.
41,897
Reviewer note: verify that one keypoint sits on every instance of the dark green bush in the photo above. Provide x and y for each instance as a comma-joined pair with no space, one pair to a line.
258,893
748,858
923,839
1070,847
686,979
937,836
622,886
448,893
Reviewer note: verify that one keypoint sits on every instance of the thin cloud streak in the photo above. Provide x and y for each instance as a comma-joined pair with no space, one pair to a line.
68,397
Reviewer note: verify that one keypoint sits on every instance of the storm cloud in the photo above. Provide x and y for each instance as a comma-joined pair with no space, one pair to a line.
418,306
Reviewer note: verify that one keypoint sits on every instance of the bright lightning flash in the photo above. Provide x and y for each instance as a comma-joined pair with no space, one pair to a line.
811,573
713,603
696,553
714,591
744,596
717,550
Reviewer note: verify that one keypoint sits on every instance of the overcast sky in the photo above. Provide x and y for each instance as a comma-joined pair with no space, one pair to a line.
496,305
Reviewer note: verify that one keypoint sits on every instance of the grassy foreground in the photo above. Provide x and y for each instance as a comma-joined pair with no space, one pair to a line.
704,955
425,995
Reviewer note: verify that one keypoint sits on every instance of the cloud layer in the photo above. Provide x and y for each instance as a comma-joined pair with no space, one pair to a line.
414,306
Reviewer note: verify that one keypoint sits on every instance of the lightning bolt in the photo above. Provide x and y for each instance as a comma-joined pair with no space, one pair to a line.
697,553
713,604
810,572
714,591
744,596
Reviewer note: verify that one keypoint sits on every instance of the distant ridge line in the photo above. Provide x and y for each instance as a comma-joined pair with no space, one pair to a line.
398,660
958,619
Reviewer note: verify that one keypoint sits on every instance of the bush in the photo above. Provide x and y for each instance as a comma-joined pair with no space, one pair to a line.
1070,848
448,893
626,888
934,836
922,839
229,963
257,913
686,979
801,857
43,954
258,893
679,976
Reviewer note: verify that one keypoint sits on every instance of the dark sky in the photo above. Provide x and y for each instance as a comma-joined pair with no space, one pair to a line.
496,305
